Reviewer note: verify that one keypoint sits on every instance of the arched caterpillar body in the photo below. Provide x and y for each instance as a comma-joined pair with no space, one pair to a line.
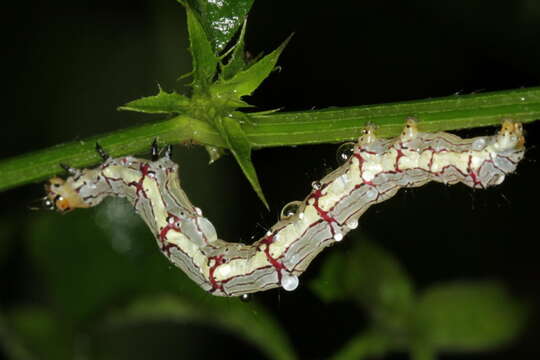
374,172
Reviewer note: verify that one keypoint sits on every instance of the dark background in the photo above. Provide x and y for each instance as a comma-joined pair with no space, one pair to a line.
68,65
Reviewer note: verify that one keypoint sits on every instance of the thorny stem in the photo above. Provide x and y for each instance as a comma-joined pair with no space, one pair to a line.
284,129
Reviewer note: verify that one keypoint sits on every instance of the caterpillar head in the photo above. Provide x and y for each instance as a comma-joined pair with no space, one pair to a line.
61,196
510,137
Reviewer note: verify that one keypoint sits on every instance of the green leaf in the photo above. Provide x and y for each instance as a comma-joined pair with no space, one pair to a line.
77,265
468,316
377,280
205,61
214,153
237,61
328,285
371,276
368,345
249,321
162,103
90,258
237,142
246,81
40,333
221,19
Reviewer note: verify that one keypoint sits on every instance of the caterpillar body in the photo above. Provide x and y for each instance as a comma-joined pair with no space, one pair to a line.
375,170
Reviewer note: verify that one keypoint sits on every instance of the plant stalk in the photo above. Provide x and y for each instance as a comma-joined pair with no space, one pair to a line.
283,129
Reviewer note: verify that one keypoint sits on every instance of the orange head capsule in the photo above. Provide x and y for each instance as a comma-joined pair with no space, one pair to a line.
61,196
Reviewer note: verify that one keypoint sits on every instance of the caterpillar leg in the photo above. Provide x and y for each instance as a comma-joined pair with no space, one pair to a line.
168,151
70,170
104,155
154,151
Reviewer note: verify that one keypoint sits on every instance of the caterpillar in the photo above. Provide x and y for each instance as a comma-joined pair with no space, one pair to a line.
373,171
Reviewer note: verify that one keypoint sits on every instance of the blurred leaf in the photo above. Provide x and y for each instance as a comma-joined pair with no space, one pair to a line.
236,61
371,276
204,59
89,258
422,351
77,264
376,279
372,344
40,333
246,81
220,19
162,103
328,285
466,316
231,130
11,343
249,321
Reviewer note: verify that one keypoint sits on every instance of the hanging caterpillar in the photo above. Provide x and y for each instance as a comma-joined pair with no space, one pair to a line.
373,171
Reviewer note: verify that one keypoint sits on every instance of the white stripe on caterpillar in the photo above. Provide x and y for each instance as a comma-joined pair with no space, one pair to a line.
373,172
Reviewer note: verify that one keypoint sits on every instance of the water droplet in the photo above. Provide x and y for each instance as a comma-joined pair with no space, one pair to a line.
170,219
290,210
344,152
245,297
352,224
316,185
338,236
289,281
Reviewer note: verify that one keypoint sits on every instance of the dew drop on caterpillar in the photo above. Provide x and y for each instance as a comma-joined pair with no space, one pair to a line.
372,171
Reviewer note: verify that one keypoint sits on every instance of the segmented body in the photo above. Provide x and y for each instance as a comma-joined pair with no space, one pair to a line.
374,172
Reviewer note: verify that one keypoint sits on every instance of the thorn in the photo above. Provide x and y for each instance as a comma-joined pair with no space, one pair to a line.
70,170
154,151
168,151
102,152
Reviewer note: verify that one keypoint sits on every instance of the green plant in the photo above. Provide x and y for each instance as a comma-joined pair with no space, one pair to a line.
222,77
211,117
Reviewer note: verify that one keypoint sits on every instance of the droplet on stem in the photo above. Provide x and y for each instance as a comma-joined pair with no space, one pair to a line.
344,152
290,210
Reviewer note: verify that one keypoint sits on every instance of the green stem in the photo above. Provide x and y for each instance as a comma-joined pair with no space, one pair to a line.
282,129
439,114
